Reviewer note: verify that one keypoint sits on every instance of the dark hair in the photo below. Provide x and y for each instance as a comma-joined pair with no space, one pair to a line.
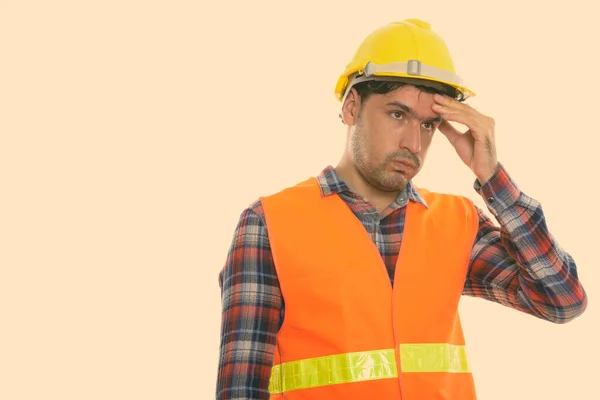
365,89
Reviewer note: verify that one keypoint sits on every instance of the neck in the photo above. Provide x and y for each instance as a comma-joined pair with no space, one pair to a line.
381,199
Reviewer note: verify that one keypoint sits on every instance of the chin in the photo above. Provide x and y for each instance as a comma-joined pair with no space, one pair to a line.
394,182
402,175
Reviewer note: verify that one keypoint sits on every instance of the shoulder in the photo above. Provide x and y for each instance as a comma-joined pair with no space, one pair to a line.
432,194
295,196
309,185
254,213
446,201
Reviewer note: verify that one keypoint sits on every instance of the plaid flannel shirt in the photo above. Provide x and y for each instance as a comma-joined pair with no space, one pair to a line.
518,264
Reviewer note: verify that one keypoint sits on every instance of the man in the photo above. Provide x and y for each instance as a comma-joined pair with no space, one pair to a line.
346,286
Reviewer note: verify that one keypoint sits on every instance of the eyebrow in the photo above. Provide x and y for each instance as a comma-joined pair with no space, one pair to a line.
412,112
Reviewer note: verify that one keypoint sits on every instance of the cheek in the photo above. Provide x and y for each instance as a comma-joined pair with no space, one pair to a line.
386,134
426,139
375,135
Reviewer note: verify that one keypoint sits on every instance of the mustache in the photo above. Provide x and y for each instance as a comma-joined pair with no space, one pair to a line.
404,156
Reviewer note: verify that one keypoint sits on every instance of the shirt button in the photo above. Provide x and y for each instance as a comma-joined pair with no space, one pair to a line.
490,200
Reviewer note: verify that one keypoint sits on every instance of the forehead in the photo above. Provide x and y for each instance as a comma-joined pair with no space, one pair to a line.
416,100
407,94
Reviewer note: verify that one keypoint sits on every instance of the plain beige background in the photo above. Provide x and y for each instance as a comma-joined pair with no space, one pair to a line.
135,133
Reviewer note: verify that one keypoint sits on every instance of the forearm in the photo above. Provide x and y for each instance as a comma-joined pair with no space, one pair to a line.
252,309
520,264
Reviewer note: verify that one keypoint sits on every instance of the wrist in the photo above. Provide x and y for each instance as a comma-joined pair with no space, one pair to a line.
486,176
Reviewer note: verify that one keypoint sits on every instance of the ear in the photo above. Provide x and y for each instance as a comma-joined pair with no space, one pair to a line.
349,111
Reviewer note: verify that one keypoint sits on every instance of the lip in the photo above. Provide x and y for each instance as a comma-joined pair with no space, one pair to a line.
404,164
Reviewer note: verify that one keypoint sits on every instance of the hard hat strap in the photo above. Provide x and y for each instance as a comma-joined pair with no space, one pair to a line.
413,68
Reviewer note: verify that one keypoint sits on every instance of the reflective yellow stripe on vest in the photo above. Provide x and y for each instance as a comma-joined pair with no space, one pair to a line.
367,365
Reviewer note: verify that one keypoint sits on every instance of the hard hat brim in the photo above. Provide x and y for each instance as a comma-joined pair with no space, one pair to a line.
412,72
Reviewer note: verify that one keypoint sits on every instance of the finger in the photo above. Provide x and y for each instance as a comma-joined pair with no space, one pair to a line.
449,131
451,103
454,115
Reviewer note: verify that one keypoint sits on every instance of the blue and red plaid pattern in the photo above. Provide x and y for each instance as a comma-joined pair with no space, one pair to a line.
518,265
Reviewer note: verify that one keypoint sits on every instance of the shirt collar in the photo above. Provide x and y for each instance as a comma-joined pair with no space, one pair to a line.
331,183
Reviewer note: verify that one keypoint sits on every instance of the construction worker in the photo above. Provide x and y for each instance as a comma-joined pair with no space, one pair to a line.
347,285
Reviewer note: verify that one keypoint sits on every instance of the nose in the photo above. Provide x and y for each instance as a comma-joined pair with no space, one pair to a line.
411,137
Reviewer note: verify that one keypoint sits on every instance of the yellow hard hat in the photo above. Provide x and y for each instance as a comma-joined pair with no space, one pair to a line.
403,50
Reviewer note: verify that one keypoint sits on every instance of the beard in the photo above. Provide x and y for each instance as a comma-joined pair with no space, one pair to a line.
378,175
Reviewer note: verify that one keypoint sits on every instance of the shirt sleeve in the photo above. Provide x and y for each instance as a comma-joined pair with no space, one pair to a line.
252,310
519,264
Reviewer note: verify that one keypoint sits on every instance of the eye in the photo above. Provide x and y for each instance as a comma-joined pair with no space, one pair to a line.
428,125
397,114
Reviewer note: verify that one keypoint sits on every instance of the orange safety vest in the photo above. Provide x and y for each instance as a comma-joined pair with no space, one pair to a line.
347,334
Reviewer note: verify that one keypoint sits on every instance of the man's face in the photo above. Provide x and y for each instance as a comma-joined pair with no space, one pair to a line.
390,135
